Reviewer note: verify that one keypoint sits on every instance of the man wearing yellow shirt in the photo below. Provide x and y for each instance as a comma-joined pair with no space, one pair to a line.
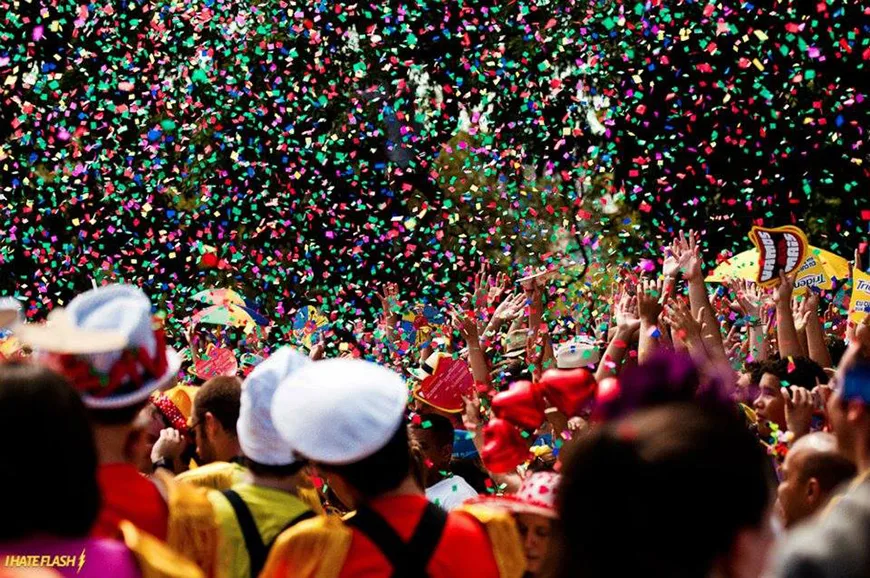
253,512
213,424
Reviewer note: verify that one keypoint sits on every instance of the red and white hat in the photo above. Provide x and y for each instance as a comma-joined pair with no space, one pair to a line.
537,495
108,344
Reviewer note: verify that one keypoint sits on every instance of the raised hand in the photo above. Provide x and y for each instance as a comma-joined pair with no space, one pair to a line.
465,323
498,286
679,317
509,309
783,292
750,299
649,301
390,300
625,313
686,256
479,294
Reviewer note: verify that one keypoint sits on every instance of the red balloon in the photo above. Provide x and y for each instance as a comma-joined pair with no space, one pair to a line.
521,405
503,447
569,390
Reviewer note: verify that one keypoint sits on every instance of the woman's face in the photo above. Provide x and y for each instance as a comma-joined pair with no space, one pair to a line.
535,532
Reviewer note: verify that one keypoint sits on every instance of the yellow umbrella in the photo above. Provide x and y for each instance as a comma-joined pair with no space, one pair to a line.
818,269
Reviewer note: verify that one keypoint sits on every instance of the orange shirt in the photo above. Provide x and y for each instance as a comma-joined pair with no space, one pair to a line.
464,549
128,495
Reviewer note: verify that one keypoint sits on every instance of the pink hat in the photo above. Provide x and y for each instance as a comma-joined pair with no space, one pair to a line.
537,495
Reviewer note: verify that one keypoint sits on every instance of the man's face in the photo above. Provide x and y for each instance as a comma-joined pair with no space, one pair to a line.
837,418
792,492
769,405
205,451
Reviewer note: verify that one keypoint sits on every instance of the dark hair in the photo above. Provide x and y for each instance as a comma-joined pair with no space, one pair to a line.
800,371
755,369
382,471
440,426
283,471
471,470
221,396
830,468
836,347
116,416
48,481
666,377
676,482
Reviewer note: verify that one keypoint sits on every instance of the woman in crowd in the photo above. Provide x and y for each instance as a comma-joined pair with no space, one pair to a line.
534,511
50,497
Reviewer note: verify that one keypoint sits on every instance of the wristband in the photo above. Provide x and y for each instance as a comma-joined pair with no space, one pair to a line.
165,463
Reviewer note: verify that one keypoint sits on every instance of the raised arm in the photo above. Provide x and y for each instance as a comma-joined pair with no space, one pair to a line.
690,265
466,323
627,325
816,345
750,302
786,332
649,307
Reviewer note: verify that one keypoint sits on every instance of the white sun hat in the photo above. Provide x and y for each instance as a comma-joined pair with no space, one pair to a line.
108,344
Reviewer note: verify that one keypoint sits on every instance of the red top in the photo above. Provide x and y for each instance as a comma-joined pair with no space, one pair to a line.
464,549
128,495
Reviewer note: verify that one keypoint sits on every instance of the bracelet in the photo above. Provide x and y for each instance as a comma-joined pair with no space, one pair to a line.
164,463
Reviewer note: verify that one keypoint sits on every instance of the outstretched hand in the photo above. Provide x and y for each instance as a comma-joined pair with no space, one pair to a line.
783,292
650,301
511,308
627,320
679,317
684,256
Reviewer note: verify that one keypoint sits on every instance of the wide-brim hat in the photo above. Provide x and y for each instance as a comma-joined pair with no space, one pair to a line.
514,343
537,495
99,330
578,352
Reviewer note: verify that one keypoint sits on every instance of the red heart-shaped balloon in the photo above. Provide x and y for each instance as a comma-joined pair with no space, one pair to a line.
503,447
521,405
568,389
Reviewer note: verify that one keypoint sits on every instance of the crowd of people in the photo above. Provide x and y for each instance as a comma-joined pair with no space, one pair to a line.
697,432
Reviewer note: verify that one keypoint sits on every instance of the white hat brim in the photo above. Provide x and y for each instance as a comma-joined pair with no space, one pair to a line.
57,335
173,360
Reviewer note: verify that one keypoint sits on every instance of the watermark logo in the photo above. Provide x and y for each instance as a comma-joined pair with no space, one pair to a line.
43,561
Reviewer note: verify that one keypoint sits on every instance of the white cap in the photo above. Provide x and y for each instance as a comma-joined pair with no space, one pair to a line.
578,352
340,411
258,437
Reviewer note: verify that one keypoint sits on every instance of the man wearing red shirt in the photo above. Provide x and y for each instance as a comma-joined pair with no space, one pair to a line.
348,417
113,351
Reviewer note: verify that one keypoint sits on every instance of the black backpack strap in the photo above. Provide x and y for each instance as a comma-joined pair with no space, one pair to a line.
408,560
425,540
253,541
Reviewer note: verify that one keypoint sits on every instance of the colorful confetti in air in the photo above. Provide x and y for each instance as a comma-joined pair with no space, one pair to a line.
306,153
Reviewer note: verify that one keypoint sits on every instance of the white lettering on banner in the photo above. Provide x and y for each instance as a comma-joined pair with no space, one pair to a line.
769,256
864,286
810,280
793,251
